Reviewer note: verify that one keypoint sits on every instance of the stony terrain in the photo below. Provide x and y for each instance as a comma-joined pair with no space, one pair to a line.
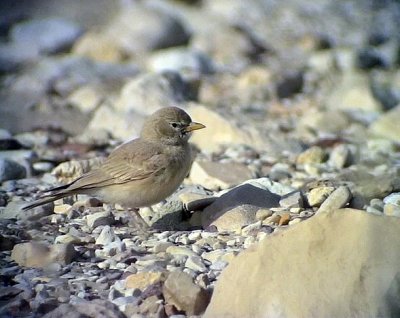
302,103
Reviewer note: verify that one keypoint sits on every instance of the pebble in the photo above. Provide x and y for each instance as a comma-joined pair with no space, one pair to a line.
11,170
336,200
99,218
292,200
318,195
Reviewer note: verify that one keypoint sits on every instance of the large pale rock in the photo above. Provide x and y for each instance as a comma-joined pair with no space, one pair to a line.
217,175
387,125
220,131
296,273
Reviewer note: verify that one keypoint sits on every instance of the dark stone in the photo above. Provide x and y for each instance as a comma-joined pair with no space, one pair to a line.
369,58
290,85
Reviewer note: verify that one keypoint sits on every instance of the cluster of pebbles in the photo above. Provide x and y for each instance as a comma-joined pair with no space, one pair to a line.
298,123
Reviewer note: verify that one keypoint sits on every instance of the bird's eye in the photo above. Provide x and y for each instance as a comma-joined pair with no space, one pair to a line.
174,125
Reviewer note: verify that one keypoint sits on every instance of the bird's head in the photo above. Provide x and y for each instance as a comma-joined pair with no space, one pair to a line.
169,125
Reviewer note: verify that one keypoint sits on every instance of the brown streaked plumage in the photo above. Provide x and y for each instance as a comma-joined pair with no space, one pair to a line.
141,172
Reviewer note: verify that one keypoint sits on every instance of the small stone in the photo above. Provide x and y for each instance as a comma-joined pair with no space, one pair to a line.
100,218
262,214
340,157
180,250
292,200
62,209
312,155
273,219
284,220
67,238
336,200
143,280
196,264
295,221
160,247
318,195
391,210
393,198
107,236
251,229
180,291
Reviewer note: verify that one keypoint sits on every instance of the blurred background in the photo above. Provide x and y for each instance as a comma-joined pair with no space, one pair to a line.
102,66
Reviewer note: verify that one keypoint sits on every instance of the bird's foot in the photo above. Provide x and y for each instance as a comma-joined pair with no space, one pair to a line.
139,223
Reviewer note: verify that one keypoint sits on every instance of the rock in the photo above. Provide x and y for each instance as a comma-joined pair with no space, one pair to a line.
180,250
165,215
393,198
161,29
196,264
220,130
119,124
217,175
67,239
195,201
143,280
386,125
11,170
96,308
152,306
369,58
228,46
318,195
36,254
353,93
87,98
15,55
292,200
312,155
272,186
367,288
289,85
99,218
149,92
180,60
336,200
107,236
251,229
340,157
331,121
391,210
51,35
238,207
262,214
13,211
70,170
99,46
180,291
361,187
284,219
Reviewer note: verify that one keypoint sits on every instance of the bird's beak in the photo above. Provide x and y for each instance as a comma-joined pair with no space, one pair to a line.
194,126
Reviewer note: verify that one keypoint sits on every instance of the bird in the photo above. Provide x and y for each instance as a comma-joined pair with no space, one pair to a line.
141,172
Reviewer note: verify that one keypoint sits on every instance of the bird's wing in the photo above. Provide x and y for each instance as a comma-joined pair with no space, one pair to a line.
135,160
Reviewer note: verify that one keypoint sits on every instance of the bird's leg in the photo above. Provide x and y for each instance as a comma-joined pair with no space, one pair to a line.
140,222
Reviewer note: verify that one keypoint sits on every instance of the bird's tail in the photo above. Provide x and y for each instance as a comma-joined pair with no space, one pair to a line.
45,199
